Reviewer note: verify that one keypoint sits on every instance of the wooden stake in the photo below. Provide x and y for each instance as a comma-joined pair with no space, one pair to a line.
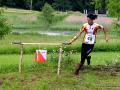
21,58
59,61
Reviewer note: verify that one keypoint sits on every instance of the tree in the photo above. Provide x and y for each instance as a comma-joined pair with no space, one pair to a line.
47,12
62,5
98,4
77,5
114,8
38,4
28,4
4,27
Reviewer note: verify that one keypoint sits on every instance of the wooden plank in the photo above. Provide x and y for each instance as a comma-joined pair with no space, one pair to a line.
35,43
42,43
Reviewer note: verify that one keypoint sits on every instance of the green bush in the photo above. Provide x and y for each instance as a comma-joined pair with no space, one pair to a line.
4,27
47,12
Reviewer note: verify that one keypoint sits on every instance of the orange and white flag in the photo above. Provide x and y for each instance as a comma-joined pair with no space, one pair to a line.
41,55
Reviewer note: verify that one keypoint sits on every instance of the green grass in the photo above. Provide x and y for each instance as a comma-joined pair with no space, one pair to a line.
23,20
42,76
48,81
98,58
9,63
65,26
7,48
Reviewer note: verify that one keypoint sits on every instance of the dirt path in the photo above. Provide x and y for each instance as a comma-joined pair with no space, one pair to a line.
102,19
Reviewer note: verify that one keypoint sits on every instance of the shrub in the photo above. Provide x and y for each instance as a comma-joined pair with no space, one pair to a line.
4,27
47,12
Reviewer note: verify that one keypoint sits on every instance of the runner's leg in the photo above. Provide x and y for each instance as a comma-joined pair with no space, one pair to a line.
85,51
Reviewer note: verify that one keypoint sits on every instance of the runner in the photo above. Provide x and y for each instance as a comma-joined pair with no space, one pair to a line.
90,29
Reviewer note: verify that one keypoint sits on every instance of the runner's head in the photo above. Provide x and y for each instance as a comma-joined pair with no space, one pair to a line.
91,18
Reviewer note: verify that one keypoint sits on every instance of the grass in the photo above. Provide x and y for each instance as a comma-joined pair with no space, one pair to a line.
42,76
62,25
7,48
98,58
23,20
35,81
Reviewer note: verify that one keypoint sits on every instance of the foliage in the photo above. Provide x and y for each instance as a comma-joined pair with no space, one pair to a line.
98,4
62,5
4,27
114,11
114,8
47,12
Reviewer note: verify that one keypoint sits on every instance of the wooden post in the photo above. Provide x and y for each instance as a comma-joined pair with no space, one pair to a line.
21,58
59,61
31,4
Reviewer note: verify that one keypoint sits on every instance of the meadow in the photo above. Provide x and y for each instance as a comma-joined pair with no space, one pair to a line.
43,76
103,74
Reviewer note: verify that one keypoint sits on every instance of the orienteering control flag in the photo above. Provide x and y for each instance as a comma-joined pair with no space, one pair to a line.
41,55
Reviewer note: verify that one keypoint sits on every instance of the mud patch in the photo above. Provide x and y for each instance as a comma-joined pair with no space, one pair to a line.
1,82
11,78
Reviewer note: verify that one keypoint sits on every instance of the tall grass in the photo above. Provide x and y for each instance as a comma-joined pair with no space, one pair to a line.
65,26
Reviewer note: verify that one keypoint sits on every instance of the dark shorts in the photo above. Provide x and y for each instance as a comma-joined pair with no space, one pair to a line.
85,51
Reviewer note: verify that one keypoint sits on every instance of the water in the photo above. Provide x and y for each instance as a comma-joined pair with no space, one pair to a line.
45,32
57,33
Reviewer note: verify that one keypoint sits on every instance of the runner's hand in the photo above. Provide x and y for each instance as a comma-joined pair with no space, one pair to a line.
66,43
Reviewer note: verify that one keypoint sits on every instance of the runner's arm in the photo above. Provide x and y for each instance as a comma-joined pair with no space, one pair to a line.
105,32
77,35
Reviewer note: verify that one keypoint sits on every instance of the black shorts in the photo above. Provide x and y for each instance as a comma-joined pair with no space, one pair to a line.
85,51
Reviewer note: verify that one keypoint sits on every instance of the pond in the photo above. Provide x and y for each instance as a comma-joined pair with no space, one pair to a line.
45,32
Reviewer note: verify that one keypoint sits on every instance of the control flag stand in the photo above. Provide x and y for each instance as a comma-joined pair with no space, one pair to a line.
22,52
